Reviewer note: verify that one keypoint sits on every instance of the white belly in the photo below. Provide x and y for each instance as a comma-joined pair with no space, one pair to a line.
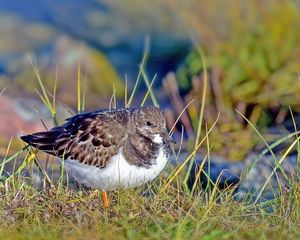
116,174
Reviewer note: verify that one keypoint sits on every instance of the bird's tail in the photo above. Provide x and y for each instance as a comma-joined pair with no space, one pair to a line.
44,141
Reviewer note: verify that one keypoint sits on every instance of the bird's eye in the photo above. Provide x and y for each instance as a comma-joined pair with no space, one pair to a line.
149,124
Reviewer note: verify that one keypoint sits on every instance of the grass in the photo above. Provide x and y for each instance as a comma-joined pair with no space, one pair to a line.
49,214
164,209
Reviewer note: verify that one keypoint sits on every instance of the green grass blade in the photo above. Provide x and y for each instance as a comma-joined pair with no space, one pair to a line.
274,170
149,87
4,160
126,91
14,156
265,142
44,93
177,171
78,87
297,136
2,91
84,96
201,113
144,60
149,91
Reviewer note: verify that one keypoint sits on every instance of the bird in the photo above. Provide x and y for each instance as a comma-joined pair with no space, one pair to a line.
109,149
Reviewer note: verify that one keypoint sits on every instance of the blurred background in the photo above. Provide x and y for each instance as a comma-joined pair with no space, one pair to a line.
251,48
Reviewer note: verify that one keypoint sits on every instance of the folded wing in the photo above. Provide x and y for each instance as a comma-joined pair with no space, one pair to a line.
88,138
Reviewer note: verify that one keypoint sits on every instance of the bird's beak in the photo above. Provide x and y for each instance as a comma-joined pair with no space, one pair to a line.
167,137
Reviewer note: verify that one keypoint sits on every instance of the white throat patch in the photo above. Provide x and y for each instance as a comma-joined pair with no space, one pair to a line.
157,139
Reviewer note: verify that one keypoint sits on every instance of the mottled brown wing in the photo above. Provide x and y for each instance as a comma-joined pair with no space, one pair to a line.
89,139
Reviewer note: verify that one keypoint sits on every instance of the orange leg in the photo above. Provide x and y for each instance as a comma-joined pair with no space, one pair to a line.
105,199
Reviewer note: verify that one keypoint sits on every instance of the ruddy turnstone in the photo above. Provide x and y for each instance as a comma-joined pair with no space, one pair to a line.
109,149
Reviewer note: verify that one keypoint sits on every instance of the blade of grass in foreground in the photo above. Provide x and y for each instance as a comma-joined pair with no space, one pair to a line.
44,95
265,142
198,174
113,99
2,91
26,161
201,113
149,91
54,96
84,96
297,136
176,172
78,88
144,60
14,156
126,91
4,160
273,145
149,86
178,118
274,170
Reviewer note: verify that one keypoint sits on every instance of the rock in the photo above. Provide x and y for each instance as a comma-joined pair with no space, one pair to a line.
258,170
21,115
249,176
15,119
220,171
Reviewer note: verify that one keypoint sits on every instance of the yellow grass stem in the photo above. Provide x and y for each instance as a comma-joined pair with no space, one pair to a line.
54,90
149,86
173,176
44,95
78,88
201,113
274,169
144,59
24,164
297,135
150,91
198,174
2,91
181,115
84,95
126,91
6,154
265,142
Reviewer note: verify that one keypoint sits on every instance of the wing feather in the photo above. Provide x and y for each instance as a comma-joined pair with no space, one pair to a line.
88,138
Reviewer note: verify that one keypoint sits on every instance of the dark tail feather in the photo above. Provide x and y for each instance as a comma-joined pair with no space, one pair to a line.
41,142
27,138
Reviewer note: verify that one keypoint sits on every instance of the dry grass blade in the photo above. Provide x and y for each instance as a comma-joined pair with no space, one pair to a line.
198,174
273,145
84,96
173,176
149,91
297,135
149,87
201,113
44,94
2,91
274,170
144,60
113,101
14,156
4,160
178,118
24,164
126,91
54,90
265,142
78,87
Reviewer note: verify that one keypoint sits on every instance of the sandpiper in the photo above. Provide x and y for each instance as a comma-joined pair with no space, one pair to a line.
109,149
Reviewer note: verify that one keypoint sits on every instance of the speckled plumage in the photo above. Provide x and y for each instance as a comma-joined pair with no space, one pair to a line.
95,138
